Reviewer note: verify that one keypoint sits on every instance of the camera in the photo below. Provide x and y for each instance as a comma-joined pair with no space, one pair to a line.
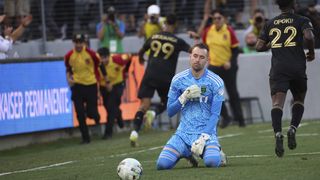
258,19
111,17
153,19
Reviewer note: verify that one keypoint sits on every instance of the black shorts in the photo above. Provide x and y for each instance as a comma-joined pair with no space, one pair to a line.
85,94
296,86
149,86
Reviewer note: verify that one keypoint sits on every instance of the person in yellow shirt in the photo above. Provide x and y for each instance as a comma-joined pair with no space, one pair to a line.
223,50
153,22
82,75
112,88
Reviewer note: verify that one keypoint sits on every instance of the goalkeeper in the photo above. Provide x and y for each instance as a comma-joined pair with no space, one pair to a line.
198,94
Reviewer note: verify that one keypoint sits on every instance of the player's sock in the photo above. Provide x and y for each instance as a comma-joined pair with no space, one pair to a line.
291,134
167,158
160,108
279,144
276,115
297,112
138,120
133,138
212,156
150,115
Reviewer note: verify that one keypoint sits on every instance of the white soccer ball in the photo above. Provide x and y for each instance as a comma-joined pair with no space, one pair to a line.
129,169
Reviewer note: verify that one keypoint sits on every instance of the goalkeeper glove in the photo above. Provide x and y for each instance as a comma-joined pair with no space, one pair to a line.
191,92
198,145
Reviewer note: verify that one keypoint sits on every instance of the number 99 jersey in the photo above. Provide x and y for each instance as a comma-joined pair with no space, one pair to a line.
164,52
285,35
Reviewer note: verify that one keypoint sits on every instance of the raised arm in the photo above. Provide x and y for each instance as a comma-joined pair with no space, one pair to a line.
19,31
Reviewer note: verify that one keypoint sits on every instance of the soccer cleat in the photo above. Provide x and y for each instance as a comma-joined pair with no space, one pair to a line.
150,115
224,159
193,161
106,136
85,141
134,138
292,144
120,122
279,145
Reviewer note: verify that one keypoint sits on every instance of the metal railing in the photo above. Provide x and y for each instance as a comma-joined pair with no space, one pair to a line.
60,19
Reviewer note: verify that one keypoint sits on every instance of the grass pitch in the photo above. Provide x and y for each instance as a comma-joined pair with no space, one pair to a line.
250,151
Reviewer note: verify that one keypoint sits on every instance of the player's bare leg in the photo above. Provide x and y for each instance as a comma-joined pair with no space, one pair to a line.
138,120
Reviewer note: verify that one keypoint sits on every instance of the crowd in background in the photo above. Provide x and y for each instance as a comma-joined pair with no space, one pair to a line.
65,18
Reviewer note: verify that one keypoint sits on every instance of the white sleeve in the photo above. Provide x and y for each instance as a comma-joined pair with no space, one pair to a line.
5,44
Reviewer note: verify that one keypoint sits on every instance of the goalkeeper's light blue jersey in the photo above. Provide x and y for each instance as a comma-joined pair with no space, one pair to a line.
199,115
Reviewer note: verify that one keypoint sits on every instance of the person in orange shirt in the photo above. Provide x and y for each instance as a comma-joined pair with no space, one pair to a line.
82,75
223,45
112,88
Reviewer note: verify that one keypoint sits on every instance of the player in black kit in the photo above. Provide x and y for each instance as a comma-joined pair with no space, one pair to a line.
164,51
285,35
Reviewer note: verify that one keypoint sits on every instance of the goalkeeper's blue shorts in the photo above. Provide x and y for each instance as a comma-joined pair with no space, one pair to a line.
179,146
182,142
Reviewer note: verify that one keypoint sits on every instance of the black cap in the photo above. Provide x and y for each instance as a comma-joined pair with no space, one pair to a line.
104,51
78,38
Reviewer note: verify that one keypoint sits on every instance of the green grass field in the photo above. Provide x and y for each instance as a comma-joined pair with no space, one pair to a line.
250,151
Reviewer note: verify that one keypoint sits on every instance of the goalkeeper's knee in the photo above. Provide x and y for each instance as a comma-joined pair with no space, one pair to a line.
167,158
211,156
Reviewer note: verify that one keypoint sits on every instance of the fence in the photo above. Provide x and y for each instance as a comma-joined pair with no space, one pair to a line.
60,19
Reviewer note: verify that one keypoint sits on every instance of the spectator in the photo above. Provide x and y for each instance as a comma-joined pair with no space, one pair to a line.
90,15
234,8
10,37
314,16
223,45
110,32
115,65
250,40
66,16
207,17
152,24
82,70
15,10
51,25
256,23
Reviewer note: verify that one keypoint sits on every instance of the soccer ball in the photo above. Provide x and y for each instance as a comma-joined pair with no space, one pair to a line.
129,169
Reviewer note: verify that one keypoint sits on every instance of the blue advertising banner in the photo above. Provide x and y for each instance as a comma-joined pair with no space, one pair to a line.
34,96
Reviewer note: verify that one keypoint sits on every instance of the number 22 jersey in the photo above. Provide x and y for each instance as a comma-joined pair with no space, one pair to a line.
285,34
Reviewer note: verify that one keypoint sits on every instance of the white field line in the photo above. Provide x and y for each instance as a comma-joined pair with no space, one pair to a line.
37,168
136,152
229,135
286,128
112,156
159,147
264,155
297,135
255,156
